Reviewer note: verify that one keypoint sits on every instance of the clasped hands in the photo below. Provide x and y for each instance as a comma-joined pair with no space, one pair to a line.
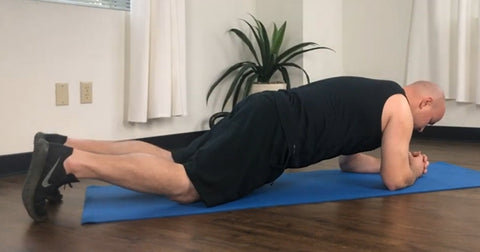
419,162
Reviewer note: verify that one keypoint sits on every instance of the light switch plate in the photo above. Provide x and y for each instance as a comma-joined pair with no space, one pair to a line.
86,94
61,94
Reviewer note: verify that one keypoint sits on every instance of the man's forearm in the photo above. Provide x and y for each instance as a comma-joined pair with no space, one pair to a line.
360,163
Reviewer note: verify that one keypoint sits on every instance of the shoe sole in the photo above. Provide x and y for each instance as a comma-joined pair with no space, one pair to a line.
33,179
52,198
38,136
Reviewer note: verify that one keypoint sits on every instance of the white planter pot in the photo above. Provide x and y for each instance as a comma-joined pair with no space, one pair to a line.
260,87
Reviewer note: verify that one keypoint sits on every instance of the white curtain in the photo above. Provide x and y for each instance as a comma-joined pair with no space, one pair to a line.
444,47
157,85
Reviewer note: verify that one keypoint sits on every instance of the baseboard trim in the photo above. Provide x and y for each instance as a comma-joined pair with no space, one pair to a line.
449,133
14,164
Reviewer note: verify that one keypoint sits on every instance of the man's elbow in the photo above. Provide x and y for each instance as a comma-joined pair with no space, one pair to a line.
342,163
345,164
393,187
397,183
345,168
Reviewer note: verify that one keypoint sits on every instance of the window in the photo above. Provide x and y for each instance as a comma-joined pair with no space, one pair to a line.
107,4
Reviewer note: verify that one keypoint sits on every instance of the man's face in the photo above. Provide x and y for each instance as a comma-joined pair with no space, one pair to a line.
428,115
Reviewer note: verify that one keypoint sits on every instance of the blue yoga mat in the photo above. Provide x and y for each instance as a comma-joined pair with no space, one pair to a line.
113,203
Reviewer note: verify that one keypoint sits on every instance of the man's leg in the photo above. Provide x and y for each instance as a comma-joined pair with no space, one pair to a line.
118,147
101,147
54,165
105,147
142,172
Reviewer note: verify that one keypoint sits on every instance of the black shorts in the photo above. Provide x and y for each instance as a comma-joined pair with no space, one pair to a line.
242,152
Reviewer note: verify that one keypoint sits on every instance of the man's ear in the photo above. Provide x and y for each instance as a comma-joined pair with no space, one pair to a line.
426,102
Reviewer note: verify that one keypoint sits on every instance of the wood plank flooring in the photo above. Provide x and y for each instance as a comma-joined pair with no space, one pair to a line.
439,221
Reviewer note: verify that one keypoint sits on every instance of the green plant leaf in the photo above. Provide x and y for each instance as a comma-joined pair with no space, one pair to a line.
254,31
238,89
285,76
247,41
264,44
275,31
293,49
277,38
249,83
259,39
225,74
302,52
289,64
236,83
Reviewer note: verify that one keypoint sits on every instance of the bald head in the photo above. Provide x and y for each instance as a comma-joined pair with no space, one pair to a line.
427,103
427,88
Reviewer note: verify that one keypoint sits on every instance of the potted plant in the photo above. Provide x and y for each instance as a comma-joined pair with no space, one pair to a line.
268,59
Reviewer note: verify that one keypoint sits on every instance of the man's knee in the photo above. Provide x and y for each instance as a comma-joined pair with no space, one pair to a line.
188,194
183,190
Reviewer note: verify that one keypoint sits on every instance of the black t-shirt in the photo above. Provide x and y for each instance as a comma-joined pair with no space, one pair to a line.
336,116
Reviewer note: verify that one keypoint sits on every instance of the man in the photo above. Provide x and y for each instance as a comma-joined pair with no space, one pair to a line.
263,135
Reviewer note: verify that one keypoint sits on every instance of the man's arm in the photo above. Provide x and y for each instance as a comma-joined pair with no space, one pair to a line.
398,168
361,163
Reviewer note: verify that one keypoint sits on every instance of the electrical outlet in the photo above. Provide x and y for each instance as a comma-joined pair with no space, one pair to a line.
61,94
86,94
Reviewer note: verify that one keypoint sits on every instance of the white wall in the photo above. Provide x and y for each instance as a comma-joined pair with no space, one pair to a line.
43,43
375,35
323,24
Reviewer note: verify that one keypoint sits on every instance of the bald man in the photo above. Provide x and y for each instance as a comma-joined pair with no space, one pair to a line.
262,136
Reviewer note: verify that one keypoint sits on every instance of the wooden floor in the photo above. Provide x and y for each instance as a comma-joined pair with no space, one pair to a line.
440,221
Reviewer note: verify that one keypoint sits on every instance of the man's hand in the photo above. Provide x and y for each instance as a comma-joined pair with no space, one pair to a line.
418,163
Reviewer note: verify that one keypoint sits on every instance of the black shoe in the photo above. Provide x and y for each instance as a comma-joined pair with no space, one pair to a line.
45,175
51,138
55,196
